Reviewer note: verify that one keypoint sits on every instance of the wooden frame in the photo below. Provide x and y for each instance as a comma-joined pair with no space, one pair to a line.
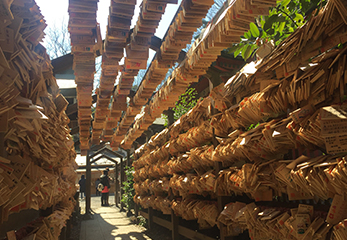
174,226
90,156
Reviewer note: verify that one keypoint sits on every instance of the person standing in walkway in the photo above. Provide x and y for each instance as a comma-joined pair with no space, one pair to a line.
82,183
104,193
96,187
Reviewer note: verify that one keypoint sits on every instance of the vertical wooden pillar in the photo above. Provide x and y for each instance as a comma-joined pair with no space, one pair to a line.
150,219
88,183
136,206
2,154
174,222
170,116
68,228
121,183
62,235
149,133
128,157
2,146
117,185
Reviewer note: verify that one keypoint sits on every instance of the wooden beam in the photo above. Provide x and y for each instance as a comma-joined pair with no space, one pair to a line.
63,63
69,92
99,151
83,167
105,149
193,234
72,108
155,43
75,130
94,98
144,214
97,147
186,232
73,123
162,222
103,156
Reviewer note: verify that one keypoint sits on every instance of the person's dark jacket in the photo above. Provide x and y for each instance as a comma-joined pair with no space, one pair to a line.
82,183
104,180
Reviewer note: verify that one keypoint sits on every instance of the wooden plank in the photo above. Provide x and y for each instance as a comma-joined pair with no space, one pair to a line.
186,232
73,123
162,222
68,92
73,108
144,214
75,130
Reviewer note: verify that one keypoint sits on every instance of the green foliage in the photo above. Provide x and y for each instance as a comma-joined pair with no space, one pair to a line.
252,126
166,119
142,220
128,187
283,20
185,102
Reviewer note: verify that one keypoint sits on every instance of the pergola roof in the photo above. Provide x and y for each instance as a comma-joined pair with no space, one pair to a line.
115,122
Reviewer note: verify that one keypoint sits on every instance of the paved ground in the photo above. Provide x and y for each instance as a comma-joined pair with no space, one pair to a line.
108,223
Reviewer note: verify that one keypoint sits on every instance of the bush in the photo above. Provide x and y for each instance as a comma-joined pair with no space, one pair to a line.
128,188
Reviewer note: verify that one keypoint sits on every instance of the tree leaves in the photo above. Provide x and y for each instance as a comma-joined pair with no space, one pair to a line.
246,51
238,49
268,23
285,2
185,102
248,35
254,30
281,27
283,20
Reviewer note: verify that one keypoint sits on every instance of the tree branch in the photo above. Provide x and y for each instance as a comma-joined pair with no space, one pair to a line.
280,10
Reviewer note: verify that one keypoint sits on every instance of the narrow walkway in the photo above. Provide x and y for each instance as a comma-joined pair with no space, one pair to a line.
108,223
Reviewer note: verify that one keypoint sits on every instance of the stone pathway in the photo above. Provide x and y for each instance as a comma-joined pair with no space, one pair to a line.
108,223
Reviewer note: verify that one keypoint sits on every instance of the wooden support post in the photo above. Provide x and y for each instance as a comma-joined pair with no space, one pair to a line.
68,228
2,147
149,133
136,208
128,157
150,219
88,184
121,183
170,116
175,223
117,185
2,154
62,235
